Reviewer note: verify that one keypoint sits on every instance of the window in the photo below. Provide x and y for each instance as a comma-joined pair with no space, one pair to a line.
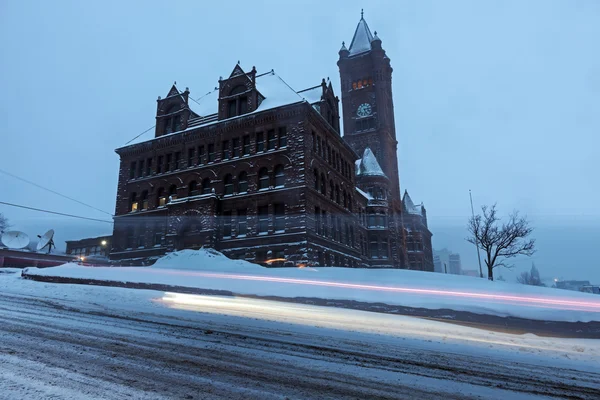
243,182
337,194
140,168
242,222
161,197
145,200
260,142
324,222
200,155
374,249
282,137
132,170
158,235
149,167
190,159
226,224
168,125
206,186
383,249
193,188
323,185
177,160
263,179
331,190
314,142
271,139
279,176
176,123
371,221
159,165
211,152
225,150
318,221
263,219
236,147
364,124
168,162
172,192
130,237
279,209
133,202
228,183
316,178
318,144
232,108
246,148
141,237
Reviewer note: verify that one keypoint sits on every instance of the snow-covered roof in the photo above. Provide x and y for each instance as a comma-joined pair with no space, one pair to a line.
205,105
368,165
365,194
361,42
411,208
312,95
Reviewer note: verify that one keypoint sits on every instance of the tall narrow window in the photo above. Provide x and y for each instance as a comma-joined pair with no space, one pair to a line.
263,219
246,147
133,203
260,142
190,158
263,179
324,222
211,152
323,185
141,168
331,190
228,185
149,167
193,188
232,108
226,217
225,150
177,160
271,139
243,182
337,194
176,123
279,222
168,125
132,170
316,178
279,176
168,165
159,164
206,186
144,200
173,192
161,197
200,155
158,234
242,223
141,235
374,249
318,220
236,147
130,237
282,137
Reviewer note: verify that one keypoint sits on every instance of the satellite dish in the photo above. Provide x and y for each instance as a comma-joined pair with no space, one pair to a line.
15,239
46,240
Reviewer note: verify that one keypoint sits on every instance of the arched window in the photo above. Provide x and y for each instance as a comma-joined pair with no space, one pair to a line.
193,188
133,202
316,176
237,90
161,197
279,176
144,200
228,184
243,182
331,190
173,192
323,184
206,186
263,179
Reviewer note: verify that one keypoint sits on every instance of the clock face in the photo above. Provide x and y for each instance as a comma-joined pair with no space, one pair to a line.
364,110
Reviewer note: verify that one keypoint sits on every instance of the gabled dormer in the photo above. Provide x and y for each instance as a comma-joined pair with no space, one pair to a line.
324,100
173,112
238,94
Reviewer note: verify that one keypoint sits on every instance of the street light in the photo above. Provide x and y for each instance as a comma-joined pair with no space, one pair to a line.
103,243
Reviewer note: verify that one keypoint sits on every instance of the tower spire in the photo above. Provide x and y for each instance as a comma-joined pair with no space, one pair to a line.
362,12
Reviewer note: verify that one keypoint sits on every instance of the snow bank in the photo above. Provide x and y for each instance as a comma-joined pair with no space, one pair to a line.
209,269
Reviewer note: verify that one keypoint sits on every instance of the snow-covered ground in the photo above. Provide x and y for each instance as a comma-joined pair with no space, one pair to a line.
208,269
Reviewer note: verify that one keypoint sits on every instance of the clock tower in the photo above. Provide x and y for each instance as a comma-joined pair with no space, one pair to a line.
368,115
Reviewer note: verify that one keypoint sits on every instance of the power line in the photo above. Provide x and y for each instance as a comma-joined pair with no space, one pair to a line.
53,191
152,127
54,212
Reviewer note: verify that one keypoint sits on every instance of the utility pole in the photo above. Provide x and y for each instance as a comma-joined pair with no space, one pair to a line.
445,268
476,241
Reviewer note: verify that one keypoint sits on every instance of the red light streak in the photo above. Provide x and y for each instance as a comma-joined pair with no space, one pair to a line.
535,301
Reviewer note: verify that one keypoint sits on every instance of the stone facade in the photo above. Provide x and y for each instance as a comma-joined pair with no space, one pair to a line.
261,172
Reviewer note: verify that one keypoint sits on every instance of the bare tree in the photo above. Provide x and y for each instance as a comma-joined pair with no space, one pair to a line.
500,241
4,225
530,278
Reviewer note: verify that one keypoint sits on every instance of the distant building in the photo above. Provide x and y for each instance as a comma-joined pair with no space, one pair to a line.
20,258
471,272
445,261
96,247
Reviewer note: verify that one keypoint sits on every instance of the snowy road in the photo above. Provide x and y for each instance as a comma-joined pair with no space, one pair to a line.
81,342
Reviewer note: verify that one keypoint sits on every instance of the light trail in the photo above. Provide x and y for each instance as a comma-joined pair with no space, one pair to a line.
547,302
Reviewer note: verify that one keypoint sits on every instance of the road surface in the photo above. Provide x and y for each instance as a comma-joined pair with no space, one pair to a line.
63,342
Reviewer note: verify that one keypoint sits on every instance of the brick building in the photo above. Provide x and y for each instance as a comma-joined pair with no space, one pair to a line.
261,172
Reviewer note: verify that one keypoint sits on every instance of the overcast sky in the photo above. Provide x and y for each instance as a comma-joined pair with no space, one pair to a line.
501,97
